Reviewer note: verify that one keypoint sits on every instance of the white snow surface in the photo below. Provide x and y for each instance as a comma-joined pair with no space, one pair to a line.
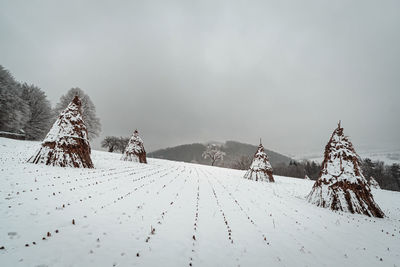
203,215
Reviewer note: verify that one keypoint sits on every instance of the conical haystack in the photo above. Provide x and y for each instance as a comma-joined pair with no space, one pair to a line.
66,144
134,151
341,185
260,169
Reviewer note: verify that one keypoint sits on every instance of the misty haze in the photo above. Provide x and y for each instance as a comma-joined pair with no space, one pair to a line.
199,133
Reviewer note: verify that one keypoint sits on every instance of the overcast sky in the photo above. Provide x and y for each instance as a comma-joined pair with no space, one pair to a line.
193,71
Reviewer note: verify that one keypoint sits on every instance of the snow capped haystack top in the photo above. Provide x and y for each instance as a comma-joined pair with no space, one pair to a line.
341,184
135,143
260,161
135,151
260,169
373,183
66,144
69,124
341,162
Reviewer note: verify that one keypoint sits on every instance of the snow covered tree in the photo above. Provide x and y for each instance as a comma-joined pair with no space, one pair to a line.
23,108
213,153
134,151
66,144
373,183
341,184
40,113
14,112
88,110
260,169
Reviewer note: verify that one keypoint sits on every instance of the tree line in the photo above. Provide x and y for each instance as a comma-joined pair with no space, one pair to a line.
25,109
388,176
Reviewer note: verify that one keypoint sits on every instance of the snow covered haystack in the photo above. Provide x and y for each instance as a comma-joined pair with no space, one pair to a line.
373,183
66,144
134,151
260,169
341,185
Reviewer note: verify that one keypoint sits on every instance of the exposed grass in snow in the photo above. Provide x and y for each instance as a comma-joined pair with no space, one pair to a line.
176,214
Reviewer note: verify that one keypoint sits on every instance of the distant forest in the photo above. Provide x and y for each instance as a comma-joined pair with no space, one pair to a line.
239,156
388,176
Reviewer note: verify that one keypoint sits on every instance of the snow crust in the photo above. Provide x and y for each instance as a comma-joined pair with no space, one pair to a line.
168,213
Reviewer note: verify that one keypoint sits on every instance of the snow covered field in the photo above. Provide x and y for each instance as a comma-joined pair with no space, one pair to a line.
176,214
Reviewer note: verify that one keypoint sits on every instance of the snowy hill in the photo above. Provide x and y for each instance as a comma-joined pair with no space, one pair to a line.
170,213
233,150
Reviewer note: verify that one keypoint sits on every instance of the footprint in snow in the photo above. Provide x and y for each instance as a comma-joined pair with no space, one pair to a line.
12,234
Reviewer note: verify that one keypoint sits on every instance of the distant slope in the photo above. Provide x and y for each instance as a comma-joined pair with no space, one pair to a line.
389,157
186,153
234,150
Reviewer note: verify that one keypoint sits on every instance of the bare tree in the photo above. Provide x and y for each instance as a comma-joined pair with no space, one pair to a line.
213,153
122,142
242,163
110,142
114,143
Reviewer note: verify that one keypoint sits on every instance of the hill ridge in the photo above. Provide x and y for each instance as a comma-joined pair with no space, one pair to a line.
233,149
